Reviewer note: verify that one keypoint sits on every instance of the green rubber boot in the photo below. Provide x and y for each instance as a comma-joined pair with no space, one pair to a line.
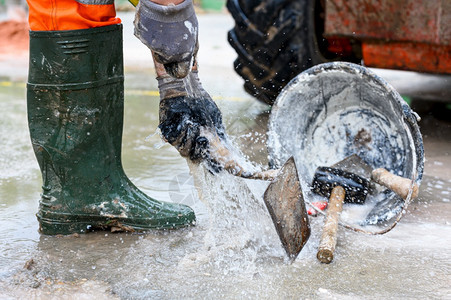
75,104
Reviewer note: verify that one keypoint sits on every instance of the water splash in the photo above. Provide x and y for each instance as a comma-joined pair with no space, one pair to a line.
240,231
161,142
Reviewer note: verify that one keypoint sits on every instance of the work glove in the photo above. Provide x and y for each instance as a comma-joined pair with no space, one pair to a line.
170,32
191,122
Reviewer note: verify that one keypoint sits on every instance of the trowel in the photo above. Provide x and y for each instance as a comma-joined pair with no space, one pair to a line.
283,196
285,203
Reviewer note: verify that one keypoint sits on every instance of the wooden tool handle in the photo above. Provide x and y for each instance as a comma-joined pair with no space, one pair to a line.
329,236
397,184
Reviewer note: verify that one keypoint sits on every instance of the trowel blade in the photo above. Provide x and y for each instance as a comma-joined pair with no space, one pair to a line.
285,203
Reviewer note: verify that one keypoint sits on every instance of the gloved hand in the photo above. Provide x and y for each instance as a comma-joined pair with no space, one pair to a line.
191,122
170,32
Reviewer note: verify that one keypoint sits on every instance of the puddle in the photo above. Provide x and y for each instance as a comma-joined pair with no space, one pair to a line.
233,252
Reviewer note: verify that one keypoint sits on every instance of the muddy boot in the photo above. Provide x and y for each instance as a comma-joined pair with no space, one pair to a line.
75,114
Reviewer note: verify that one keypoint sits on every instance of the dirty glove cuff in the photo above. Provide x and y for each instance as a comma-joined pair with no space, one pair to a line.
171,87
166,14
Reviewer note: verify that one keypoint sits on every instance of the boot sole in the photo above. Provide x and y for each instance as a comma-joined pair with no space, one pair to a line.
65,225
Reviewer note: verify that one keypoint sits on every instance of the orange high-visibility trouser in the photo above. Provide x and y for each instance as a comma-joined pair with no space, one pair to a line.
50,15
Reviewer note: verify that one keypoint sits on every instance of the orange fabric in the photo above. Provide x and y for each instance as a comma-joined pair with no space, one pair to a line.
50,15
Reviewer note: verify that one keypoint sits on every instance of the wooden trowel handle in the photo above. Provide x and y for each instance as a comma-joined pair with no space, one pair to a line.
397,184
329,236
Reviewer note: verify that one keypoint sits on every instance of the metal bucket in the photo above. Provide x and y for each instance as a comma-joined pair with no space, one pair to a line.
337,109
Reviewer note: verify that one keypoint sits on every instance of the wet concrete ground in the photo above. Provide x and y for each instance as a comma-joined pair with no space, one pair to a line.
412,261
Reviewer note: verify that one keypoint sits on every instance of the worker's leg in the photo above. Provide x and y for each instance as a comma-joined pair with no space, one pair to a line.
51,15
75,111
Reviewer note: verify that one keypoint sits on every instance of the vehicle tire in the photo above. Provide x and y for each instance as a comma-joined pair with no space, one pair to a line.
275,40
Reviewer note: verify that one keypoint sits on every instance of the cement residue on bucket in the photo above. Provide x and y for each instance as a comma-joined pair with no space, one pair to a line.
334,110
